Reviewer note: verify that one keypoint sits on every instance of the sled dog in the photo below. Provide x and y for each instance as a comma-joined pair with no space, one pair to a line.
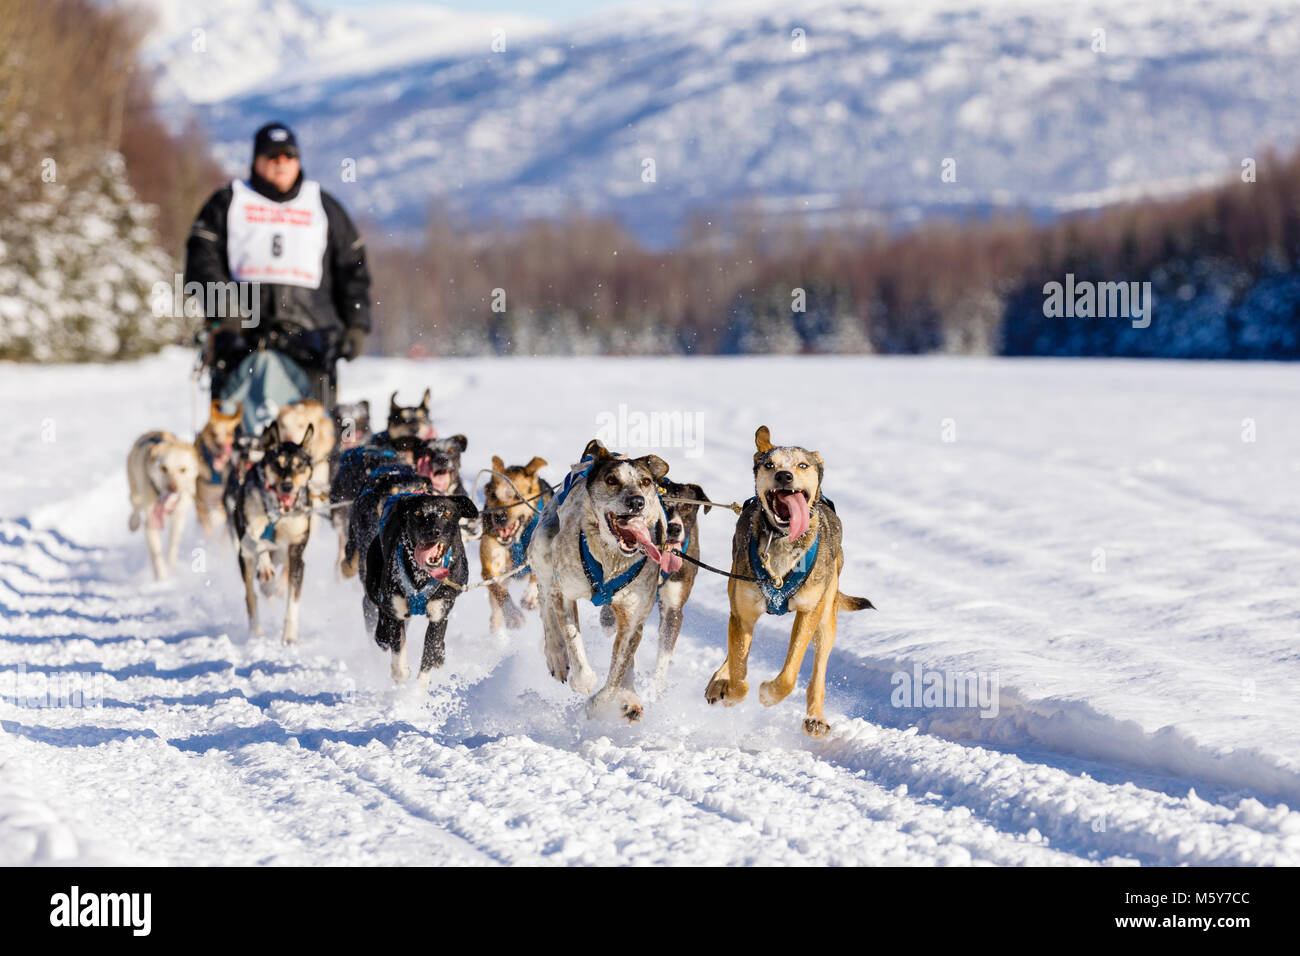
789,538
599,540
681,535
272,518
162,472
512,510
416,565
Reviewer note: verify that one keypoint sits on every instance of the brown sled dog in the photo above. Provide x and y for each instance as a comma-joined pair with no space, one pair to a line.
215,445
789,538
504,544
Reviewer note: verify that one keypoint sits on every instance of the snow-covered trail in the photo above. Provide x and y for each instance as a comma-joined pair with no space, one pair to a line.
1147,713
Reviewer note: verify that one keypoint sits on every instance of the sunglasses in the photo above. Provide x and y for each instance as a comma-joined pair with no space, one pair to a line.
275,152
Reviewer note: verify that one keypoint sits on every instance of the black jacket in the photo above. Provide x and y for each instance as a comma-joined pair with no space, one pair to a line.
308,324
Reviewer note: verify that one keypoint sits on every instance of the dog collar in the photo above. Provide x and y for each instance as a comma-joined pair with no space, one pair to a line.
778,594
602,591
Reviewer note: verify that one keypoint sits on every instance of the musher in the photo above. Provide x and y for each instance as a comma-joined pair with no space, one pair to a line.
293,239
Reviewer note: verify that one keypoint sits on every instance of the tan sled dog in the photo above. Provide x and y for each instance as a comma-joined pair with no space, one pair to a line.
294,421
788,538
161,471
215,445
503,547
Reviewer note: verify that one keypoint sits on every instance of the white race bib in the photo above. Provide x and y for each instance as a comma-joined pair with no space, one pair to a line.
277,242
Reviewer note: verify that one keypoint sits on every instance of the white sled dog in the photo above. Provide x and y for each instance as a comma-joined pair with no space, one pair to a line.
162,472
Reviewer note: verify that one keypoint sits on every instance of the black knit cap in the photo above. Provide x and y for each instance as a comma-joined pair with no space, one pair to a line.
275,139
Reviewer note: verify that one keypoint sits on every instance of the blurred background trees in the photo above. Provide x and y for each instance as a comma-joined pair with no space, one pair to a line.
95,196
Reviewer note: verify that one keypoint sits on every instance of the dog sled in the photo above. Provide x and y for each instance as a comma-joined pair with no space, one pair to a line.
263,383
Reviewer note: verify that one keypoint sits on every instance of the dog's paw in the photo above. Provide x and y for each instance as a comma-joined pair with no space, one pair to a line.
771,692
557,662
290,639
622,703
401,671
815,727
583,681
728,692
513,616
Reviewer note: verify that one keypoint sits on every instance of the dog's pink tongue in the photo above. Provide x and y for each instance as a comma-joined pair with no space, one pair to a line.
422,555
800,519
441,480
162,508
667,560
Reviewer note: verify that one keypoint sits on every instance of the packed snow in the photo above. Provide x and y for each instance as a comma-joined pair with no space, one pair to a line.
1111,547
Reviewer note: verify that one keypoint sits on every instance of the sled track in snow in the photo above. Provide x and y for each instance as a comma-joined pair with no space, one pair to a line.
211,748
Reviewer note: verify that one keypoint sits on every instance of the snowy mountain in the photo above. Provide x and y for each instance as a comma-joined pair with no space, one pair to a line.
831,107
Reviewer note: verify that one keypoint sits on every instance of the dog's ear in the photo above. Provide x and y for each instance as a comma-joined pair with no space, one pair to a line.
595,450
459,441
464,507
654,464
763,440
821,471
698,494
498,464
424,403
214,410
306,436
392,403
239,410
364,405
534,466
271,434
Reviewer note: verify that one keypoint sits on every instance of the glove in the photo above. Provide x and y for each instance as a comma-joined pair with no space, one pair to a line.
353,344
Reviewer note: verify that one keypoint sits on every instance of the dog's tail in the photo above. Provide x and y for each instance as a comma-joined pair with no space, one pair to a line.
847,602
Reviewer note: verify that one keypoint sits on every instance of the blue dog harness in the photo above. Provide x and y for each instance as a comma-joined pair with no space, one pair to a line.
417,599
214,477
602,591
777,598
519,547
